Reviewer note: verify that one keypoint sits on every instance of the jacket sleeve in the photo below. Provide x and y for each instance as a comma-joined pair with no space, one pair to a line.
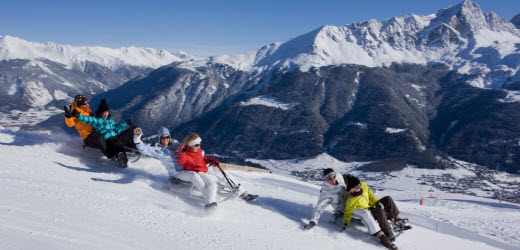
185,160
150,151
175,156
323,201
208,160
350,206
119,127
181,158
90,120
70,121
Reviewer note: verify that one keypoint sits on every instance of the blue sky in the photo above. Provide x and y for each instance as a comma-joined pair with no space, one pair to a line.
202,27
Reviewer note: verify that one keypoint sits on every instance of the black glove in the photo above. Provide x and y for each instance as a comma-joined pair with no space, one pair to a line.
310,225
75,113
129,122
67,111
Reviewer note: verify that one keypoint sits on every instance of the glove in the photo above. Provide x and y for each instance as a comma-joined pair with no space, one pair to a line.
182,149
75,113
214,162
137,135
310,225
128,121
67,111
379,205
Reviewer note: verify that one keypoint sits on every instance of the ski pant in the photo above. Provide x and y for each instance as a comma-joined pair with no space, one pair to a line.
367,219
208,182
204,182
382,215
116,144
95,140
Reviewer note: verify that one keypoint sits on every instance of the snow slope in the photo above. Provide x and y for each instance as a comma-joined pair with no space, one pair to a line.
53,195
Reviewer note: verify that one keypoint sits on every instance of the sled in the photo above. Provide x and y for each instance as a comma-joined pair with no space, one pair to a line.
132,154
186,188
357,225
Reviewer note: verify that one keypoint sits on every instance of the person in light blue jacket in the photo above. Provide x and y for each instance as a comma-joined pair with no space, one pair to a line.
165,150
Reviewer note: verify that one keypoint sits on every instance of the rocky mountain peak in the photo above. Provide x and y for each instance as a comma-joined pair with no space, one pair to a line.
516,21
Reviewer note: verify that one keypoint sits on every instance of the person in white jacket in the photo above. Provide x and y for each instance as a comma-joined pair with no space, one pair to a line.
332,193
164,150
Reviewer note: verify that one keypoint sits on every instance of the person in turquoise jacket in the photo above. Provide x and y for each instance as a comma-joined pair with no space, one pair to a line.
113,133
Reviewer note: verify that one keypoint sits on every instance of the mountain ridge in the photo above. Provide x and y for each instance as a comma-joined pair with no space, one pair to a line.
459,36
17,48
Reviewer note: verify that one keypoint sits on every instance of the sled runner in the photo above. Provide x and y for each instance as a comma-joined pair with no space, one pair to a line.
225,190
186,188
132,154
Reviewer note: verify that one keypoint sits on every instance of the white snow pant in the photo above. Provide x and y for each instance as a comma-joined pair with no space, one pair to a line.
207,182
204,182
367,219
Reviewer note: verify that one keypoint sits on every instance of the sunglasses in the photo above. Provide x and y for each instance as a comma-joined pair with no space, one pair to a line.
330,178
86,103
196,145
165,137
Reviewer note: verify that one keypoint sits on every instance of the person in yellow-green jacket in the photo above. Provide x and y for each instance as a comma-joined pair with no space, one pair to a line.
362,204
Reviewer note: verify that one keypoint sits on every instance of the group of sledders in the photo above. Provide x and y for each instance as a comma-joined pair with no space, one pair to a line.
185,161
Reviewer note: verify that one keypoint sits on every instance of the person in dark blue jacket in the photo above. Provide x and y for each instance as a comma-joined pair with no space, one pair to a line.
113,133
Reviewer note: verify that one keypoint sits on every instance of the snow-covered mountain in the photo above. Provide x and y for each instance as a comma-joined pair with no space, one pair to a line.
16,48
283,103
461,36
46,76
60,197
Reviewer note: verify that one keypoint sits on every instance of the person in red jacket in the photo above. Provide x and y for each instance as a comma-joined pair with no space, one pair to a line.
196,171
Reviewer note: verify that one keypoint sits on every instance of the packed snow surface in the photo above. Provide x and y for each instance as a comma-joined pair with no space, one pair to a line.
54,195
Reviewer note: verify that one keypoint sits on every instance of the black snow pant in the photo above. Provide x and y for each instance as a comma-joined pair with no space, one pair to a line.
95,140
116,144
389,211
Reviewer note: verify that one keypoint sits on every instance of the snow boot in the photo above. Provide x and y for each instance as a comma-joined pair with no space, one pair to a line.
210,207
390,236
122,160
387,243
401,221
401,224
248,197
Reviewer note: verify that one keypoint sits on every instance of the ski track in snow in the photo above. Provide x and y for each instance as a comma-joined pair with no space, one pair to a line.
54,195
